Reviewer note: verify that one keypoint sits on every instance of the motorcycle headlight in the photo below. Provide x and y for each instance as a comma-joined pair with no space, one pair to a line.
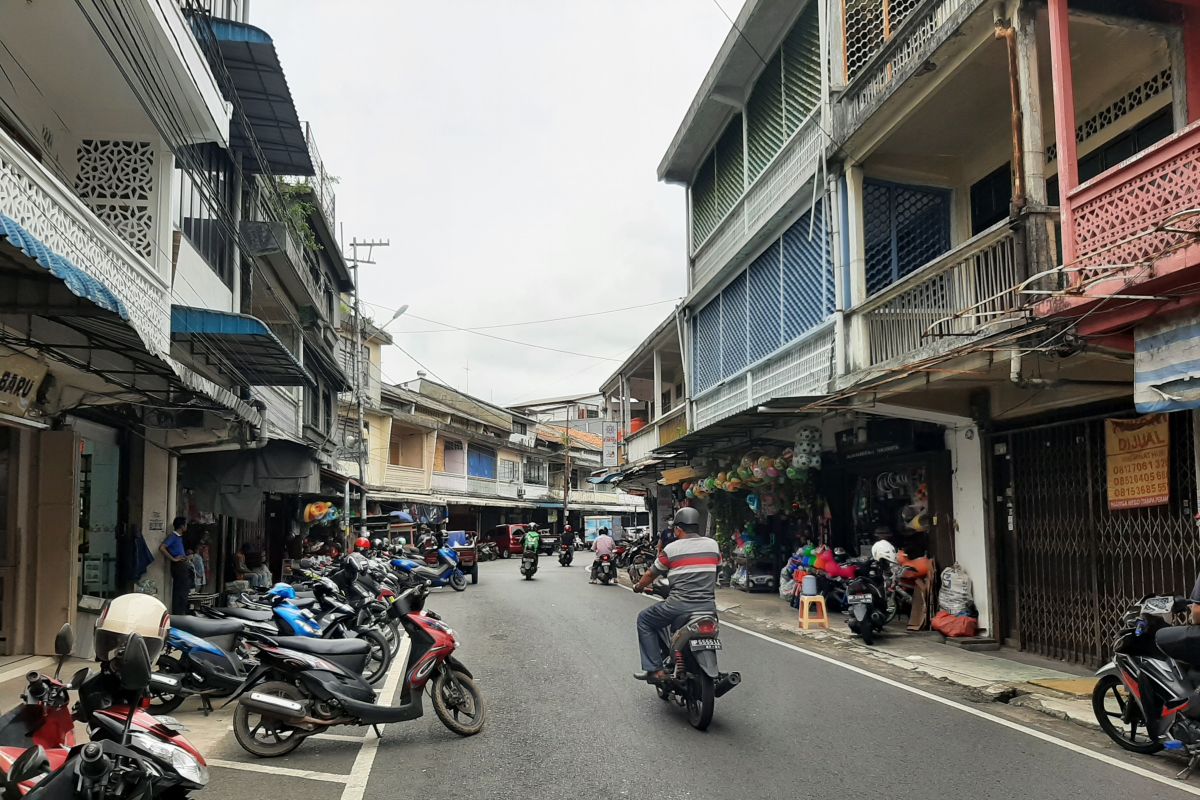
180,760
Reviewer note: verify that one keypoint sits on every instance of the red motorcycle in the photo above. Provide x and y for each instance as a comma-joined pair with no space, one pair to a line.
111,712
606,570
306,686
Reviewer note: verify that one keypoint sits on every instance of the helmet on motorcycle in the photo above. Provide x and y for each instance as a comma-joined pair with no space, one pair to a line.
362,543
567,529
129,614
378,543
283,590
884,551
688,519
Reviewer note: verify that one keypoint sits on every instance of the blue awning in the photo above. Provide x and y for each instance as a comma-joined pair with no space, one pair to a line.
238,344
250,58
79,282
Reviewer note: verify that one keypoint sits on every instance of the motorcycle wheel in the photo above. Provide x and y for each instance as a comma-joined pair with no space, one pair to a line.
475,574
867,631
380,657
267,738
166,703
1120,718
604,580
701,701
505,553
392,637
464,715
663,694
458,583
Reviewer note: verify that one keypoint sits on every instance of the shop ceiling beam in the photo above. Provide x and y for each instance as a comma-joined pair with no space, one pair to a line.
916,414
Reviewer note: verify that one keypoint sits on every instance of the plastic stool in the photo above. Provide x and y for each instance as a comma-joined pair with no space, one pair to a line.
807,619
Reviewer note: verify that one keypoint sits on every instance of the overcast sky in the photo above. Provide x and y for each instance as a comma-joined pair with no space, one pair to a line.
508,150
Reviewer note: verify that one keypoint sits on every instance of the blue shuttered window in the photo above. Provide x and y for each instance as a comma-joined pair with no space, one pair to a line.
784,293
719,183
481,462
905,227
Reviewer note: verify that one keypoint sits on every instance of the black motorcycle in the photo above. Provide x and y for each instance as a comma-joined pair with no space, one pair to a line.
529,564
689,657
566,555
1144,700
606,570
867,601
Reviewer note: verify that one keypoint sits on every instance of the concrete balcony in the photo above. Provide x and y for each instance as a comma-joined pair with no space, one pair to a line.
445,482
640,445
770,199
804,367
967,293
322,182
1132,215
46,209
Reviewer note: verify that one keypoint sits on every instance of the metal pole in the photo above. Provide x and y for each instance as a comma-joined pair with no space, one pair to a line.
567,474
360,449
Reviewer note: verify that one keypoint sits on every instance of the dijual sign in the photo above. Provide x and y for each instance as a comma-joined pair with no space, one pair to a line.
20,378
1139,461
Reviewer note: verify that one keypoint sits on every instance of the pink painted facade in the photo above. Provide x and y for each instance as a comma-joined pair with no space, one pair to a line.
1135,228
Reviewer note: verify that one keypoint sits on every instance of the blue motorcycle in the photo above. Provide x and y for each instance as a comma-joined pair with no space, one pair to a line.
439,569
293,616
203,657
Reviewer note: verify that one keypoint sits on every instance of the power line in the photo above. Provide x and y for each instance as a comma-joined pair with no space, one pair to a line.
448,329
514,341
419,364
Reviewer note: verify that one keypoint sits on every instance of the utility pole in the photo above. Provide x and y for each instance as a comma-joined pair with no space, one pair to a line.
567,476
359,342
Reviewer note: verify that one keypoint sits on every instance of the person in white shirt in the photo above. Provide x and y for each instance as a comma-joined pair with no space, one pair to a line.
603,546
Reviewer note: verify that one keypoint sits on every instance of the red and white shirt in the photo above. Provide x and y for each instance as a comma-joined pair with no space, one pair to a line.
691,566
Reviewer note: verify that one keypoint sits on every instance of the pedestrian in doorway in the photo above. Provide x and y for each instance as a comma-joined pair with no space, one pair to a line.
181,574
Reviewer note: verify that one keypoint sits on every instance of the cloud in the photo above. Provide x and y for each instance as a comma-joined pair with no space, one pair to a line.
508,151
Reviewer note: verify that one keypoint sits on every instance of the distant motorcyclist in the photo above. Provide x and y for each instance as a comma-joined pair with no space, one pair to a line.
533,541
690,563
568,536
603,546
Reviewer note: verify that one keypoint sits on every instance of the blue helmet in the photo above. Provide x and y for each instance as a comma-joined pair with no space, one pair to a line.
283,590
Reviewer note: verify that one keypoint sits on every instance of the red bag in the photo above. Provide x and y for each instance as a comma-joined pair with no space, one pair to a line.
953,626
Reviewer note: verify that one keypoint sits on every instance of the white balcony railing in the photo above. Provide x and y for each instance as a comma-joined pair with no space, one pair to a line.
641,444
801,369
771,193
483,487
445,482
916,318
33,198
405,479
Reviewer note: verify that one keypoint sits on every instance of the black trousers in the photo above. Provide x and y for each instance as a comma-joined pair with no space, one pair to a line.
181,584
1181,642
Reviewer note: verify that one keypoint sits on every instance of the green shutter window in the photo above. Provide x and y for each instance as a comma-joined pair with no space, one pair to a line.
730,181
802,69
704,202
764,115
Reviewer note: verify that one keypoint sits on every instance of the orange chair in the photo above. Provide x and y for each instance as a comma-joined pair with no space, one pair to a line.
809,620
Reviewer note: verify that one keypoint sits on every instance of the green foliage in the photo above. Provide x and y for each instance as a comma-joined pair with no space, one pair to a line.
298,211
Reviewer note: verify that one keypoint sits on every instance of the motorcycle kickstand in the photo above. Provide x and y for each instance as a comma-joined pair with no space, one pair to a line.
378,731
1186,772
206,705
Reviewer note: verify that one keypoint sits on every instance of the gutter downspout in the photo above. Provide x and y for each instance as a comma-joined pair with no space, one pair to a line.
685,363
1006,32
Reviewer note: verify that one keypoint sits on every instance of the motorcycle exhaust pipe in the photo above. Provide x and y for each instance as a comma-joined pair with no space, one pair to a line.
278,707
726,682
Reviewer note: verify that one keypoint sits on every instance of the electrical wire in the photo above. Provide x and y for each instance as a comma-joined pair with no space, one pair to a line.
530,322
515,341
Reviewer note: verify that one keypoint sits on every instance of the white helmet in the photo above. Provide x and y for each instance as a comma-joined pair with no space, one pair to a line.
884,550
128,614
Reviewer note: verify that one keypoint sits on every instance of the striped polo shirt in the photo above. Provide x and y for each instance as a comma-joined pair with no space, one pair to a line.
691,566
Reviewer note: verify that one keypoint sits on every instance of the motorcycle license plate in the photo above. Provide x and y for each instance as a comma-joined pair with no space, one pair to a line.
859,598
706,644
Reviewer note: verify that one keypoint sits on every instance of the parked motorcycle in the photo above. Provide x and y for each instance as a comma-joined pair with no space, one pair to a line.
689,650
566,555
606,570
529,564
867,602
440,568
1143,698
203,657
292,695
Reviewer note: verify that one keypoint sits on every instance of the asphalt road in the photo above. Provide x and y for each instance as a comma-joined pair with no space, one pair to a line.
554,658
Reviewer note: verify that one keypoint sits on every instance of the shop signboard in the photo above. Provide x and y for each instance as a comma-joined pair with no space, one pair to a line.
1138,455
610,445
20,378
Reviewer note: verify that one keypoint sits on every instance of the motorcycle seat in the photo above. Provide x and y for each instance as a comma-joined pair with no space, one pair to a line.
430,573
304,602
248,614
206,628
324,647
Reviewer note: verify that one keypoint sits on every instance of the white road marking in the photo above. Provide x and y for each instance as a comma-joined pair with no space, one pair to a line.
271,769
24,666
339,737
360,773
975,712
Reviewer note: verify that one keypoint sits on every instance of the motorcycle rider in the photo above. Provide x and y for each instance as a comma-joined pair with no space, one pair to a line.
603,546
690,563
1182,642
533,542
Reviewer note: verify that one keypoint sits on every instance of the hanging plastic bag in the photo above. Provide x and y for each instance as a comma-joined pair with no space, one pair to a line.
787,584
956,596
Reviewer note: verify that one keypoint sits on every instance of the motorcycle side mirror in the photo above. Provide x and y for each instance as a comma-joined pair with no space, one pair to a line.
80,678
135,664
64,643
30,764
